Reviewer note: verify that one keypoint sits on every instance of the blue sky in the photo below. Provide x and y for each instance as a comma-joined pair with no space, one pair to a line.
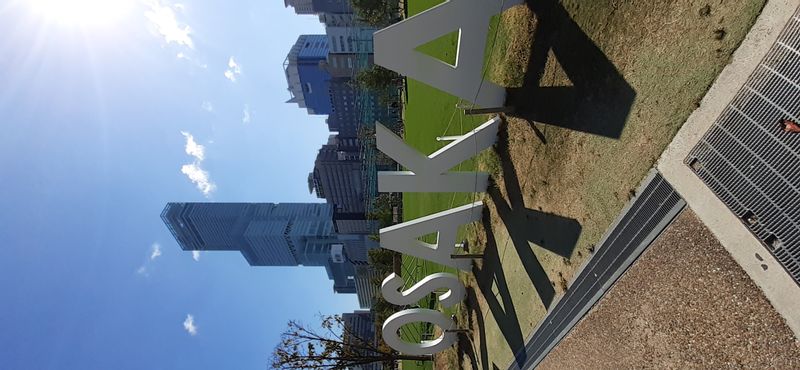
109,112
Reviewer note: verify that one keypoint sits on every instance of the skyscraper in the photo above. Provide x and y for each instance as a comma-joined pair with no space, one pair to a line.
359,329
308,82
269,234
319,6
338,174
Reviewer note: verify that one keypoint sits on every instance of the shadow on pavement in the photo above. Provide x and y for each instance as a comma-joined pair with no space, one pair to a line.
599,100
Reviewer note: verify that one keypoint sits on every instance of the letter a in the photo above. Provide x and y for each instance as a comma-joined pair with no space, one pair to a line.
403,237
429,174
394,48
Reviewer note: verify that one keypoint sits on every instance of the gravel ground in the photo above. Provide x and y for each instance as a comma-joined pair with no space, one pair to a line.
685,304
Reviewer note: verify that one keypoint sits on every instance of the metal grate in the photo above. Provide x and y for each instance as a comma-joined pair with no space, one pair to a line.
638,225
748,160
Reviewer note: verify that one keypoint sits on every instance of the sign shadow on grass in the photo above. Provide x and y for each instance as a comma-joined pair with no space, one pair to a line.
599,100
466,346
524,226
490,276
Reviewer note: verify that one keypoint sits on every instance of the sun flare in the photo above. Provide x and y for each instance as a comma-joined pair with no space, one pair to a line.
82,13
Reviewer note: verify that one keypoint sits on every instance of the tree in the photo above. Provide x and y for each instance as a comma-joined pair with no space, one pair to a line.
377,78
333,347
376,13
383,82
381,259
382,209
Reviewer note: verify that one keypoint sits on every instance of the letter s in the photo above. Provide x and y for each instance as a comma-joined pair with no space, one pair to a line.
393,283
426,347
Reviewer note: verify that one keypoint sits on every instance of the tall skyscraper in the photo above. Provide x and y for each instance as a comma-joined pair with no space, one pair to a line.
269,234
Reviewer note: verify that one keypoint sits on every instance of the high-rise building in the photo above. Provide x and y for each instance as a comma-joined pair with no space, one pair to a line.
353,108
339,19
350,39
347,65
306,76
337,175
268,234
359,329
367,285
319,6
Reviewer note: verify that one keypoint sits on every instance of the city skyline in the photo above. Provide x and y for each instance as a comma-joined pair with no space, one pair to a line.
176,100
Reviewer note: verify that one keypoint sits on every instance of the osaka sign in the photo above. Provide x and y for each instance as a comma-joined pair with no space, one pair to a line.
394,49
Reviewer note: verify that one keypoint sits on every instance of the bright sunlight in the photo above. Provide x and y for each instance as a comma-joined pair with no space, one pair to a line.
82,13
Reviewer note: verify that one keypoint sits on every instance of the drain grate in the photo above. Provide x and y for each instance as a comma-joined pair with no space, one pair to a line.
748,160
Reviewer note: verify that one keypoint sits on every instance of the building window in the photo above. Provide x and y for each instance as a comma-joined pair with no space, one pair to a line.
349,62
308,88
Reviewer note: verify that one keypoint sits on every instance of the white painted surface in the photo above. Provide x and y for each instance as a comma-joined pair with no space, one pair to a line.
403,237
441,280
426,347
394,48
430,173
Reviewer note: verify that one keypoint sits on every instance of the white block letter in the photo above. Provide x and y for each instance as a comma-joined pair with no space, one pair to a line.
429,174
403,237
394,48
427,347
455,289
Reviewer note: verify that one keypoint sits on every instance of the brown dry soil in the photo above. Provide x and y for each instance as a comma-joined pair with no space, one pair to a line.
600,88
685,304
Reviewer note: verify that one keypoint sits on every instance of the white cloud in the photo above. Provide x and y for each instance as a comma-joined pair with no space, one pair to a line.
166,23
229,75
189,325
193,148
246,114
195,62
194,171
199,177
233,70
207,106
196,255
147,266
156,251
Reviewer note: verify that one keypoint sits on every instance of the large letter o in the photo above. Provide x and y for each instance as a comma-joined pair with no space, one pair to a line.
427,347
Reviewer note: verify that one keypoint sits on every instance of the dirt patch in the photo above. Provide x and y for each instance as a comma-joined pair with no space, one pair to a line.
684,304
